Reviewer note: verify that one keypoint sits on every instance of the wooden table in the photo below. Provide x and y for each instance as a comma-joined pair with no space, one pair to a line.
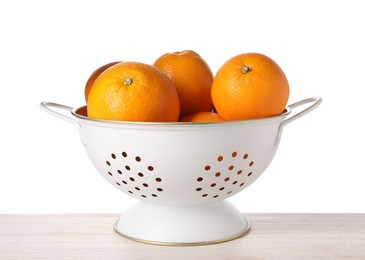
272,236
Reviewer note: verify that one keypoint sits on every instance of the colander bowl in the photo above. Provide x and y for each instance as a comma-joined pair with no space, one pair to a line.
181,173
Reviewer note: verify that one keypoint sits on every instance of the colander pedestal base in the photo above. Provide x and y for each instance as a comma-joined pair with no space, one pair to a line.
182,225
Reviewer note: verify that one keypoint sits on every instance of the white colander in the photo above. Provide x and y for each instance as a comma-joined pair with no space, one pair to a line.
181,173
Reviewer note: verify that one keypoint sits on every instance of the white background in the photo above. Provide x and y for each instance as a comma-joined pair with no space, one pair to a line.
48,49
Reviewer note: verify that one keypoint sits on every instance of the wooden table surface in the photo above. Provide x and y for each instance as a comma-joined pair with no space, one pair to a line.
272,236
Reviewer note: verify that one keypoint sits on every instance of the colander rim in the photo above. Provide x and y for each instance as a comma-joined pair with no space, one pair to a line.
76,113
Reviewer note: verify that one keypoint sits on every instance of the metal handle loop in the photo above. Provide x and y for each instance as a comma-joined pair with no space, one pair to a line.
46,106
316,102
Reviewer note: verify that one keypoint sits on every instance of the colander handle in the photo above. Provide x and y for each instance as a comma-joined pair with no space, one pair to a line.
316,102
47,107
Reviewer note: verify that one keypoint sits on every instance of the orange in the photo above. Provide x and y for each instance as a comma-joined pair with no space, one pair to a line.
249,86
134,91
192,78
202,117
94,75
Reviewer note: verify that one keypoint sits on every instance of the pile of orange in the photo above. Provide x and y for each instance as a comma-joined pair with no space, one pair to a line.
180,86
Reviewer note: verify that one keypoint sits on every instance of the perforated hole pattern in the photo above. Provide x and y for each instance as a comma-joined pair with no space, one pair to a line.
129,172
228,176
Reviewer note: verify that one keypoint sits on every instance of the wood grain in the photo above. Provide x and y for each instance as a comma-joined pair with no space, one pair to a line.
272,236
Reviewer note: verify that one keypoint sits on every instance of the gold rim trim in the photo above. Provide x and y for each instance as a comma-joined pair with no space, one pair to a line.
80,114
202,243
